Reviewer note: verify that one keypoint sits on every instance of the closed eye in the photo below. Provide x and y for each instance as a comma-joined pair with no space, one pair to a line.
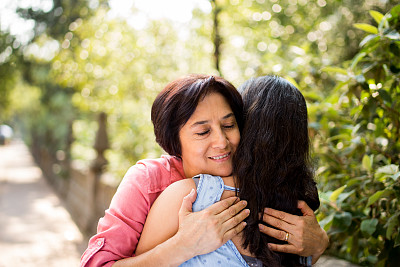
229,126
203,133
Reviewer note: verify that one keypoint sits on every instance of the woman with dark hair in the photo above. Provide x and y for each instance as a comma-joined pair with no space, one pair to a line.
271,168
119,230
272,165
196,120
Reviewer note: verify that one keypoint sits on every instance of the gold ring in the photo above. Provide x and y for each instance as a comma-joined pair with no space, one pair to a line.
286,237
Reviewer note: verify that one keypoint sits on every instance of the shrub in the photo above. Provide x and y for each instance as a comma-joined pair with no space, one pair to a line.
357,143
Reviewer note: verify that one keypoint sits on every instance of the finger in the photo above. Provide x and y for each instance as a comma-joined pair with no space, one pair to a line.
234,231
287,217
222,205
305,209
283,248
278,234
232,211
236,220
278,223
187,202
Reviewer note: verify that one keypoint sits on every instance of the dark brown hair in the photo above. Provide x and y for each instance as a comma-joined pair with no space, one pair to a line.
176,103
272,163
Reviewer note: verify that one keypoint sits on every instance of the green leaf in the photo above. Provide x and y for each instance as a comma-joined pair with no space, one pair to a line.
376,15
341,222
395,11
334,69
367,162
384,23
335,194
326,222
369,226
354,181
388,169
385,95
360,78
366,27
395,176
340,85
367,39
372,260
397,241
393,35
342,197
324,197
372,199
391,224
357,59
367,67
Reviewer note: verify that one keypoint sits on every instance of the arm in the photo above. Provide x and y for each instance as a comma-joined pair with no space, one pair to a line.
162,222
169,252
306,237
119,230
197,232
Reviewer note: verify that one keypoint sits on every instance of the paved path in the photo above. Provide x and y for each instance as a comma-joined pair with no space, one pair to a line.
327,261
35,228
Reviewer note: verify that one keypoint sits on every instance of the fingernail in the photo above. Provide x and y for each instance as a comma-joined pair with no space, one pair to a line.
266,210
244,203
247,211
191,193
260,226
244,223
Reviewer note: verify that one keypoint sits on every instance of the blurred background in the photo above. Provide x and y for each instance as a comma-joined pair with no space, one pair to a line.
78,77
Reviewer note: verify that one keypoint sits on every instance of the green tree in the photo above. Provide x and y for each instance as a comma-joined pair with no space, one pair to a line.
358,145
8,63
47,124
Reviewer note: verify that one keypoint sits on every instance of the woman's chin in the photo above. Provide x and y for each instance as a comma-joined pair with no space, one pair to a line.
224,173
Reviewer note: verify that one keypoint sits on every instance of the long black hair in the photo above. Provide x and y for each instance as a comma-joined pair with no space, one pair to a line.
272,163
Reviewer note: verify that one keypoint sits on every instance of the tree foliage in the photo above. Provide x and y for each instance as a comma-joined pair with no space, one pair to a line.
8,64
358,146
342,54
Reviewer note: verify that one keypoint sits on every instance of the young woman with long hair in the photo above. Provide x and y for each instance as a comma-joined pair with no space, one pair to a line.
271,169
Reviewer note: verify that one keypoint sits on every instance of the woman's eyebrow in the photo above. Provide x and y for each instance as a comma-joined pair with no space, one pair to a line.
229,115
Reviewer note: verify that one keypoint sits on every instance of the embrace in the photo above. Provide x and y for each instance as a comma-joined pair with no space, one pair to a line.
236,189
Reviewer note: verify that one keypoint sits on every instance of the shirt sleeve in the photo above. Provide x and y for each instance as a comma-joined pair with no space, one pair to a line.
119,230
306,261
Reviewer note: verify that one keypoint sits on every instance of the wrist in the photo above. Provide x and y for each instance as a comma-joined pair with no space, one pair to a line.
322,248
175,250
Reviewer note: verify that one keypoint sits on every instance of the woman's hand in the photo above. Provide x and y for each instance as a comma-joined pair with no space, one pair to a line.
305,236
205,231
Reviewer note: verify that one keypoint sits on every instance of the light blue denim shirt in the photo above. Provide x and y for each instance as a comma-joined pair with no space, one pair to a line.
209,191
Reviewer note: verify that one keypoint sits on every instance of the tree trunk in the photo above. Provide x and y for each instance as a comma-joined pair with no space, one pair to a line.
216,35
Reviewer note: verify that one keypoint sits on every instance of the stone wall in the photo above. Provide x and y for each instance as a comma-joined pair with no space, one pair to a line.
85,204
86,193
83,188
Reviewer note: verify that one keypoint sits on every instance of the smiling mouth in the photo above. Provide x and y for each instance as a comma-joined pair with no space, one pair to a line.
221,157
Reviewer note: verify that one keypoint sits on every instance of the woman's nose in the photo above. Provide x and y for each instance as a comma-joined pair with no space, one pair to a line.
220,140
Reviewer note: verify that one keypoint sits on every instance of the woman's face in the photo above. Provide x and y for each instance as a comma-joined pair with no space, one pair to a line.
209,138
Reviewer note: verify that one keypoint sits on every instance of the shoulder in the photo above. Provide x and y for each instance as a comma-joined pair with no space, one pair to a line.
175,192
165,209
155,174
170,200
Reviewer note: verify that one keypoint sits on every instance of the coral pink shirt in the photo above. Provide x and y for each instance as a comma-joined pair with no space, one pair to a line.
119,230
